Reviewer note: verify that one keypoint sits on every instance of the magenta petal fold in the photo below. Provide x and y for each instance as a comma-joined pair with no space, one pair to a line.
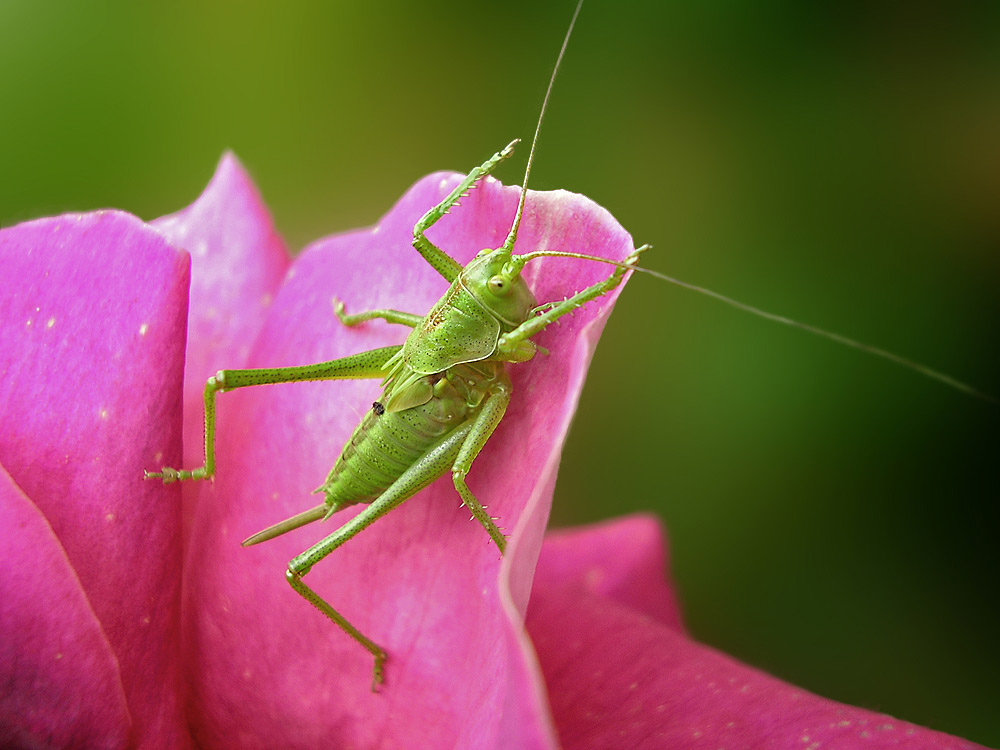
61,684
92,321
625,675
424,582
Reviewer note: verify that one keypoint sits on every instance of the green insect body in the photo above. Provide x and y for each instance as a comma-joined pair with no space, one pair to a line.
384,446
445,391
450,367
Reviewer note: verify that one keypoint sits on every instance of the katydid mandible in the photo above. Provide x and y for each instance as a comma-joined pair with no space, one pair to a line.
445,389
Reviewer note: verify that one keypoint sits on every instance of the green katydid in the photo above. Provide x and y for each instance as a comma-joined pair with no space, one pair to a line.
445,389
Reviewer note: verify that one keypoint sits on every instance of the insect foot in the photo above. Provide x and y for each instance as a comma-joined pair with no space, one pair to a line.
634,257
170,475
167,474
509,148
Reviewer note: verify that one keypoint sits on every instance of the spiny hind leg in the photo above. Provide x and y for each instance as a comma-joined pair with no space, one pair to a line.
378,672
443,263
432,464
357,366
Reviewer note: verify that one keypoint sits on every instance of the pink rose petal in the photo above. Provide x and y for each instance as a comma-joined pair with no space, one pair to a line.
237,264
61,686
620,676
624,560
424,582
92,324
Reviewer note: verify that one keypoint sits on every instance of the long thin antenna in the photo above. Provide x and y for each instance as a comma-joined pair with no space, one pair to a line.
910,364
512,237
875,351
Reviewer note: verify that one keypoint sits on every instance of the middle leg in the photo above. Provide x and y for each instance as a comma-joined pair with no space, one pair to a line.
390,316
486,422
356,366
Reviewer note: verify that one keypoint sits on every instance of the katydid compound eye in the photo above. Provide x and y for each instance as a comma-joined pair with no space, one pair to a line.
499,286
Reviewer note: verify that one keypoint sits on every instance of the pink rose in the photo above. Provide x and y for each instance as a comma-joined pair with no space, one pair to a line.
100,647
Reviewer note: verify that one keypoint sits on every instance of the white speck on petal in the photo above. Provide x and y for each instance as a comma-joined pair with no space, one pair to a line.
110,517
51,322
103,413
143,329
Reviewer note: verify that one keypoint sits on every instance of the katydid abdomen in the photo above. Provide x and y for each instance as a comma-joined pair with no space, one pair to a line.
385,444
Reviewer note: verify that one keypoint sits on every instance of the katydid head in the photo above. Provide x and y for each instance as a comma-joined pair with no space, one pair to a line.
494,279
494,276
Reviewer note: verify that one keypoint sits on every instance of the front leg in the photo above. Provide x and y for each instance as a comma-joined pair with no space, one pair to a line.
390,316
443,263
511,345
355,367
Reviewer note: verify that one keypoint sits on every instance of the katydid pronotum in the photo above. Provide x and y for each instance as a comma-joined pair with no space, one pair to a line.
450,376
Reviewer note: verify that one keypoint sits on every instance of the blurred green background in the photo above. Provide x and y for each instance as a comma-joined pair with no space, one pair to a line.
833,519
